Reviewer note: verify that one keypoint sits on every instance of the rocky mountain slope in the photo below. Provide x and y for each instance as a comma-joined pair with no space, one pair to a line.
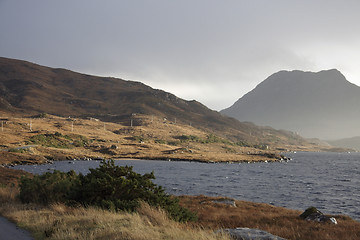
322,104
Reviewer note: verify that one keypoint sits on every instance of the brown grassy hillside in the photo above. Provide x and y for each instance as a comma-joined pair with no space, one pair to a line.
25,140
28,88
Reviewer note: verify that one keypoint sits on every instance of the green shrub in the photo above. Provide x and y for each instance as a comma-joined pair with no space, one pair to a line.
50,140
80,141
137,138
212,138
120,188
57,140
110,187
160,141
41,115
243,144
18,150
48,187
188,138
309,211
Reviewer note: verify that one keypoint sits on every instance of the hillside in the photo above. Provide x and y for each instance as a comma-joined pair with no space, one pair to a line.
322,105
353,142
28,89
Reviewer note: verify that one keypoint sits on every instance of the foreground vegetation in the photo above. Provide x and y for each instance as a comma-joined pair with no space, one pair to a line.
62,210
58,221
109,187
279,221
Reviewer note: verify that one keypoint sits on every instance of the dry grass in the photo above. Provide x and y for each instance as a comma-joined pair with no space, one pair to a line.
276,220
158,140
61,222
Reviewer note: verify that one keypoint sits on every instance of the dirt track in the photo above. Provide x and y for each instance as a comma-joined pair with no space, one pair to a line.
10,231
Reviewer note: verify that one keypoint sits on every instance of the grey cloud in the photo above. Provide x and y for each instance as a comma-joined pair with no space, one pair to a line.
203,46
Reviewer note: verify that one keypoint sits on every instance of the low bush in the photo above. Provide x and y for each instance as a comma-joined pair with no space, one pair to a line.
108,186
18,150
57,140
188,138
210,138
49,187
138,139
160,141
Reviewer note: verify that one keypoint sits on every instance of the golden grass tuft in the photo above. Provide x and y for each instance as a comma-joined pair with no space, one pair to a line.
58,221
8,194
153,139
279,221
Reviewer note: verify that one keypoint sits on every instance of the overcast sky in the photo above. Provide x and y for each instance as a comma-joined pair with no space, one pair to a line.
213,51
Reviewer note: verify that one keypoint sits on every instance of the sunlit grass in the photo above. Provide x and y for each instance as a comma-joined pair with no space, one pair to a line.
279,221
58,221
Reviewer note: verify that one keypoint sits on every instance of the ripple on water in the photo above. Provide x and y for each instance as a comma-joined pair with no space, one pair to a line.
329,181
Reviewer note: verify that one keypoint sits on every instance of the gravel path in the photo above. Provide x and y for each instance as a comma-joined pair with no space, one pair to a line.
9,231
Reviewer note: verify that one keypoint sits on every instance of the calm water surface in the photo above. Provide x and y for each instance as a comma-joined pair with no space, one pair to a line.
328,181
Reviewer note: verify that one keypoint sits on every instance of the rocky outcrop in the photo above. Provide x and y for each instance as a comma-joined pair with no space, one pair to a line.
226,201
312,214
250,234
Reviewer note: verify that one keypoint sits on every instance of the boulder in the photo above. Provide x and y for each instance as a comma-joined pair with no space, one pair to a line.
250,234
226,201
312,214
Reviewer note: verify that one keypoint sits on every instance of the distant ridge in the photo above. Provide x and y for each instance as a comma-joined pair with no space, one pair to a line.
29,88
314,104
353,143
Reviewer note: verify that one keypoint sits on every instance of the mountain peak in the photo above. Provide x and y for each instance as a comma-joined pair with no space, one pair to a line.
315,104
298,75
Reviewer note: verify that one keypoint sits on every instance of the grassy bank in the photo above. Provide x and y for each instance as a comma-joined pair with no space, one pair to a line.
58,138
276,220
58,221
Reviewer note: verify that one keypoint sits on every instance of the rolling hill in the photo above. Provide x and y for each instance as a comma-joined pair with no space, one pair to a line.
28,88
353,143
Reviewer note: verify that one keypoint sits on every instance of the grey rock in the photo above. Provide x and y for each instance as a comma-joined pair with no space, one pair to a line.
318,217
251,234
226,201
313,214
